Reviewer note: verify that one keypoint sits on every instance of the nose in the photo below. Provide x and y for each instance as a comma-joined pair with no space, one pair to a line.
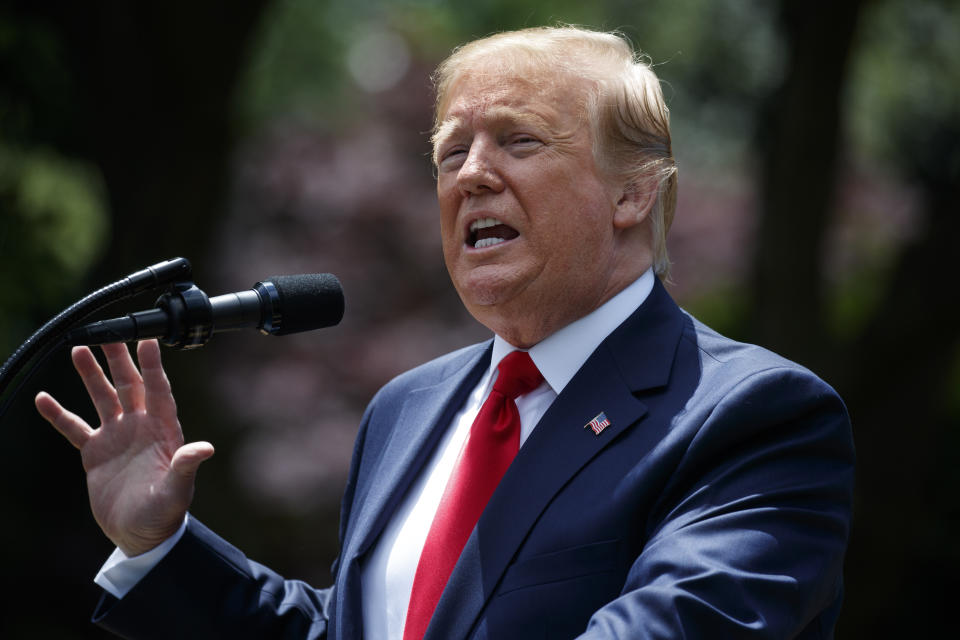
479,172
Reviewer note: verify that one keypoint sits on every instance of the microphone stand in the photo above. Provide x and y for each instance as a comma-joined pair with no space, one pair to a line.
51,336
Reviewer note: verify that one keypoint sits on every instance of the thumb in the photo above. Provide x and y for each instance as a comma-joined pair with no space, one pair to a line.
187,458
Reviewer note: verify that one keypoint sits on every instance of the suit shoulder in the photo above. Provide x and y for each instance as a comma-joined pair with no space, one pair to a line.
727,364
729,353
436,370
745,396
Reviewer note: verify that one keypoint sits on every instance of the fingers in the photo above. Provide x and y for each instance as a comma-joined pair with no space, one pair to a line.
126,378
69,424
158,397
101,392
132,390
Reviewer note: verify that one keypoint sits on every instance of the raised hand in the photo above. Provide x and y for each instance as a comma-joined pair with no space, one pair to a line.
140,474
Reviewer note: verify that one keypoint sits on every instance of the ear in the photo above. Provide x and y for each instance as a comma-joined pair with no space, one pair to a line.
633,206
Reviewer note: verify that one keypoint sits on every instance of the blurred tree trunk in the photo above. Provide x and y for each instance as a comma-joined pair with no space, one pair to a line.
159,80
798,139
151,104
897,382
894,375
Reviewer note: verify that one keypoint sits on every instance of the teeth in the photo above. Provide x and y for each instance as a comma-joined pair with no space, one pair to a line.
487,242
483,223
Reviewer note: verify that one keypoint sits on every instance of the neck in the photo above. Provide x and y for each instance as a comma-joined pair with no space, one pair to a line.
524,329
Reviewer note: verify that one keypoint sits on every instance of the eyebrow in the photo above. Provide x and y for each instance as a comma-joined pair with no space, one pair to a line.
494,115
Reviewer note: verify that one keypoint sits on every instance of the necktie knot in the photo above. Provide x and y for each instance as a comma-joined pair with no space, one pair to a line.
517,375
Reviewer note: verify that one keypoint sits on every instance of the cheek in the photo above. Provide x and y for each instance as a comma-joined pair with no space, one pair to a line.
579,236
449,205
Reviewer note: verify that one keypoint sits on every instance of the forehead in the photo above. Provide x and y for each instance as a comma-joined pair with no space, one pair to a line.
481,99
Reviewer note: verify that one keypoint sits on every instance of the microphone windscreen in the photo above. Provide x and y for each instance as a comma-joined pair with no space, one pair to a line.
308,301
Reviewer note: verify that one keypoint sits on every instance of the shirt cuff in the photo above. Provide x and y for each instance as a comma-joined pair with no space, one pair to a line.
120,572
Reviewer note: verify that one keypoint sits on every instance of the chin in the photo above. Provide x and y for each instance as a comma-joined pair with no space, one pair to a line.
482,304
485,287
484,312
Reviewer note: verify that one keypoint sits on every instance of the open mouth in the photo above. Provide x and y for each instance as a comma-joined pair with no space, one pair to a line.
487,232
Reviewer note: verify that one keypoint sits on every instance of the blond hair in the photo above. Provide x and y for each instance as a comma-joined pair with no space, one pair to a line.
624,105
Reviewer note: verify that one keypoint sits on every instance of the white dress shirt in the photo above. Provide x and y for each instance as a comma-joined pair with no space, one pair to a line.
387,573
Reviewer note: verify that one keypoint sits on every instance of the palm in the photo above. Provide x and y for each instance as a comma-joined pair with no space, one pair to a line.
128,475
139,473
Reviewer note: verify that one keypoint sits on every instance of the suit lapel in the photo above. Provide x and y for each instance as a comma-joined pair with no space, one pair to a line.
638,355
420,422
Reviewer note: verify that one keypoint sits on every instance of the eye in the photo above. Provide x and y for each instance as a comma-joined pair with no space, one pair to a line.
523,141
452,157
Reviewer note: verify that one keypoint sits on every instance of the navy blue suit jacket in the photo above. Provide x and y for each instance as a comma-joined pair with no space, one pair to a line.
717,504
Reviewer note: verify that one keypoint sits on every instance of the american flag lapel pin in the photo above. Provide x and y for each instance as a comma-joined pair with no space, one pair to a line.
598,424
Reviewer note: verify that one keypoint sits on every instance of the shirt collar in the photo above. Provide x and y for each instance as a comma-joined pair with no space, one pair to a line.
560,355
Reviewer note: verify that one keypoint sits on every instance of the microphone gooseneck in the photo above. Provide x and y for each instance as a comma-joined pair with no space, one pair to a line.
50,337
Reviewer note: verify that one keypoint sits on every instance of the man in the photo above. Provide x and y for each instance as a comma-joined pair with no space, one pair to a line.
605,467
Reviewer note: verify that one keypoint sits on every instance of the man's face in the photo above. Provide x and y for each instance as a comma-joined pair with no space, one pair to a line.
527,220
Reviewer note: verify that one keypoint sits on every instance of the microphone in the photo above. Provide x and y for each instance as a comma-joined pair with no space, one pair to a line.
185,318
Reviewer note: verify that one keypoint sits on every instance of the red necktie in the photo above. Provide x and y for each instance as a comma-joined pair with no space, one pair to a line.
493,443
